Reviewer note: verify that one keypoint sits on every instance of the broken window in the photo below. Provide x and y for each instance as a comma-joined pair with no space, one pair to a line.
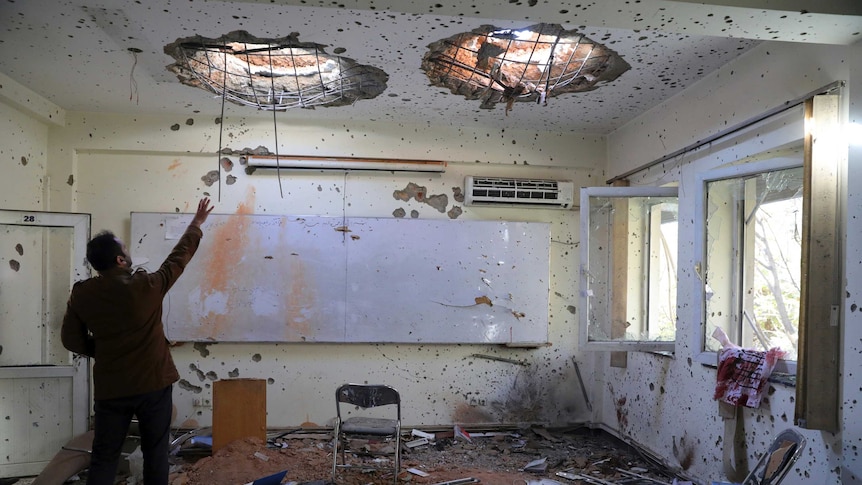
530,64
275,74
628,268
752,265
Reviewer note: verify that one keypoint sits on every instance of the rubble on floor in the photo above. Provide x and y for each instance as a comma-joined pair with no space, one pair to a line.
531,456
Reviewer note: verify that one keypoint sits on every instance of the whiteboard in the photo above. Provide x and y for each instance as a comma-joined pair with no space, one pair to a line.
265,278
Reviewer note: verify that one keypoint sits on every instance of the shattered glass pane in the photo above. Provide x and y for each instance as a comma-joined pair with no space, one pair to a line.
752,270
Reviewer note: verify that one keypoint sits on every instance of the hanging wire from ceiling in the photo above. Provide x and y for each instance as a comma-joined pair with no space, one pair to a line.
530,64
133,83
275,135
276,74
220,133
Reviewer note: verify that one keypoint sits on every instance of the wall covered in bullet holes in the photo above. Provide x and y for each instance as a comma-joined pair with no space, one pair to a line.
109,165
156,164
666,404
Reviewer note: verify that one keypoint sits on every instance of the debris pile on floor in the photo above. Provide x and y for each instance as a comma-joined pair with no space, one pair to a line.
497,457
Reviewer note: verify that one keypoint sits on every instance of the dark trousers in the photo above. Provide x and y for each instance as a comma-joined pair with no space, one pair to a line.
113,417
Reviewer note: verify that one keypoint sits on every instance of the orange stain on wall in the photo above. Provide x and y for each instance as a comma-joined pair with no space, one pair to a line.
228,244
298,297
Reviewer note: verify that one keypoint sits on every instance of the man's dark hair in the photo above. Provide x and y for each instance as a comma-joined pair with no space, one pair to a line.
102,251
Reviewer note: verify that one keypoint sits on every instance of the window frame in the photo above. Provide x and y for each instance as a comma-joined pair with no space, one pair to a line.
585,287
700,246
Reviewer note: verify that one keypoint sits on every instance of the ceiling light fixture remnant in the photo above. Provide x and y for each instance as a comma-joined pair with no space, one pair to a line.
530,64
275,74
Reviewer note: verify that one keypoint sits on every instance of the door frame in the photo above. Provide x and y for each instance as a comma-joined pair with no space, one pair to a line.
78,369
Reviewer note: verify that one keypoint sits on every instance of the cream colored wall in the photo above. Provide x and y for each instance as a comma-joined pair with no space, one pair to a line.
666,404
25,122
23,150
122,164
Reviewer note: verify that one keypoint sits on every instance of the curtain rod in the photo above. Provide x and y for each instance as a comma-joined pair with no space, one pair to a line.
745,124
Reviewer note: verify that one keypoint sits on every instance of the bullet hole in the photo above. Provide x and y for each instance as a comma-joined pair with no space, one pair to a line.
256,357
188,386
210,178
234,373
339,50
190,122
454,212
399,213
218,121
572,309
412,191
24,161
439,202
71,180
270,381
226,164
319,188
175,127
651,386
230,180
457,194
250,170
202,348
1,350
15,265
853,307
243,160
414,214
197,372
212,376
19,249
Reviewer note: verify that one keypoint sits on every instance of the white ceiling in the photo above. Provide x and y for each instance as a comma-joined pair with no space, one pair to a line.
75,52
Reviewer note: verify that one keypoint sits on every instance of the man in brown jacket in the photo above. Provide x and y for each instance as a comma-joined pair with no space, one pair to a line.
116,318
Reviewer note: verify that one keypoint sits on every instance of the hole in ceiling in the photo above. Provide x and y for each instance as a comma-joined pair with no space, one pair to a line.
530,64
273,74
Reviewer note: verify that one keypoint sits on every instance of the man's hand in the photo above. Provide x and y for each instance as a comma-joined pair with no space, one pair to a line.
204,209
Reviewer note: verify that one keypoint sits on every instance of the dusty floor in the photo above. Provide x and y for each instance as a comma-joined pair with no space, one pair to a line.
492,457
496,458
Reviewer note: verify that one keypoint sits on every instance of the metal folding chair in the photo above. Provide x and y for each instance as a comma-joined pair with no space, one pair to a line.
778,460
364,397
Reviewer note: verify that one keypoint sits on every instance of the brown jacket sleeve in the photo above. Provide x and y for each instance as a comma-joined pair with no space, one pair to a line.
74,333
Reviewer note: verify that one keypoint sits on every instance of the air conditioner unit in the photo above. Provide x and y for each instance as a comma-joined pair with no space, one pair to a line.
548,194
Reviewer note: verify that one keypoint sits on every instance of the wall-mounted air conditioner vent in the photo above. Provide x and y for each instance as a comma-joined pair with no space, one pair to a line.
550,194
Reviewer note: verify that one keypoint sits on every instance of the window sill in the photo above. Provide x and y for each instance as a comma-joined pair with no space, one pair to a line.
784,373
